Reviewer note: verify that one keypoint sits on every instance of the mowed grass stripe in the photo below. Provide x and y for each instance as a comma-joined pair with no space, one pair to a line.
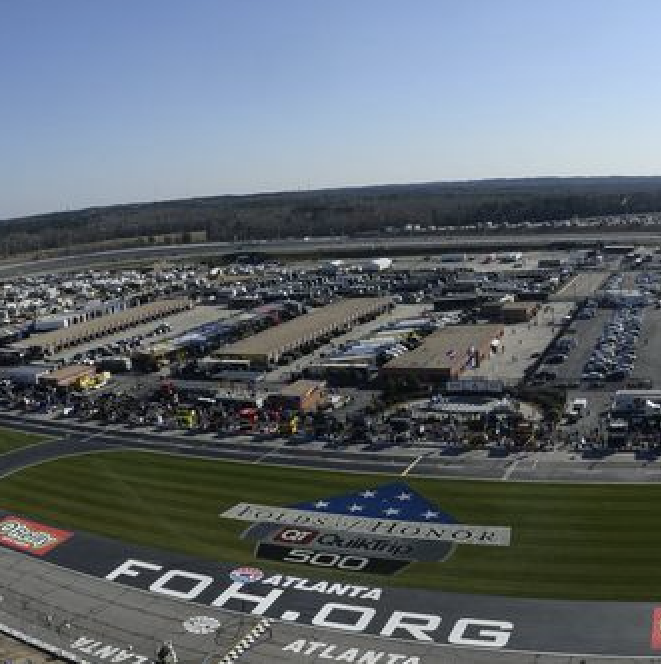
197,481
11,439
573,541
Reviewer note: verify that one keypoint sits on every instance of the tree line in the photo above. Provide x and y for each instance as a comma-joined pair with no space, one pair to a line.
334,212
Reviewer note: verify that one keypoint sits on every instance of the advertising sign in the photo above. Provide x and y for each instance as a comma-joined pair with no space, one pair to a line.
30,536
375,530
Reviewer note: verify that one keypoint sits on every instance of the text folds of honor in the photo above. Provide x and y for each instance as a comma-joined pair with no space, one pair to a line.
435,532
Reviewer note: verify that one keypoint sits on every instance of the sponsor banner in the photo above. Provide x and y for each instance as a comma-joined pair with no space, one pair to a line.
328,560
30,536
655,640
417,530
332,547
337,542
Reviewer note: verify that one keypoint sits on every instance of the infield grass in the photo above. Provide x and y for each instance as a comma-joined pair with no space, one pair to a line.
11,439
568,541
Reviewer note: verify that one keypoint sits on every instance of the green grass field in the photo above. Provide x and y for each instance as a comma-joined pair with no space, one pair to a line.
10,440
571,541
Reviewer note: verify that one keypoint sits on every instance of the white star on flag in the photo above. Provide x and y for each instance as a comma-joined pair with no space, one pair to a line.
395,501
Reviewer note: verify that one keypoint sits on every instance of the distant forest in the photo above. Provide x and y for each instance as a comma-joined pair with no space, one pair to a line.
347,211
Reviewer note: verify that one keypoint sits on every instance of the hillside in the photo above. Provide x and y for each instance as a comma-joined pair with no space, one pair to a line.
346,211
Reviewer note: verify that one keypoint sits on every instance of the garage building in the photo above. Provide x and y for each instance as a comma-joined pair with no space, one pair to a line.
57,340
90,311
267,347
445,354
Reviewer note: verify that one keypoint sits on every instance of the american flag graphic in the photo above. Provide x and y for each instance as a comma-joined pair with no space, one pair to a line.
395,501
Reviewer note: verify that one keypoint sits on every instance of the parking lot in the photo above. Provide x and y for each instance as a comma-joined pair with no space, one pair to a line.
182,393
522,343
648,363
585,334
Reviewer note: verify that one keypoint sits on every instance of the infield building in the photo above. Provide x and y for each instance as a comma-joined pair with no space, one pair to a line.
300,335
446,354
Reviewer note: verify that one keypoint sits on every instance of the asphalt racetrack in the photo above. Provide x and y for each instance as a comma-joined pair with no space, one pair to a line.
64,597
421,624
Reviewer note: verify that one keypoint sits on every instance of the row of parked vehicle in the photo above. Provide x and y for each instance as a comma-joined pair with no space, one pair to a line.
561,350
557,354
588,310
168,408
119,347
614,355
614,282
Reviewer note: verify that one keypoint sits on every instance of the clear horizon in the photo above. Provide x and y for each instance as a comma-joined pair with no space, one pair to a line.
127,102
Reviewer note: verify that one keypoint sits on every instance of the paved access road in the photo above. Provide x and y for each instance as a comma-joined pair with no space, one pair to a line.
336,246
581,286
537,466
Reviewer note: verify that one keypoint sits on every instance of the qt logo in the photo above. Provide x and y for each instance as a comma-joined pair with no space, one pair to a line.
296,536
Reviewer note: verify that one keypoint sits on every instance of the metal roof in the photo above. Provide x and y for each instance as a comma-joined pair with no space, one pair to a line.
104,324
304,328
447,348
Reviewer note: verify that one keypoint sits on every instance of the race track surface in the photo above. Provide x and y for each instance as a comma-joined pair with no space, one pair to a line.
64,599
64,596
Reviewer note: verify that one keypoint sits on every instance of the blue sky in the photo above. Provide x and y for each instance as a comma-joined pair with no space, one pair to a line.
127,100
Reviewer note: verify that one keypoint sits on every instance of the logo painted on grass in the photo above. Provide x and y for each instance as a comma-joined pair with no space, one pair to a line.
376,530
30,536
246,574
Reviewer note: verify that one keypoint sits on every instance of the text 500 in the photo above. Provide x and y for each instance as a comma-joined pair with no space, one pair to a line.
321,559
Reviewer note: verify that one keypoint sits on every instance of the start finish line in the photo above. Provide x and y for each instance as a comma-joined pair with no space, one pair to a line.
419,530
